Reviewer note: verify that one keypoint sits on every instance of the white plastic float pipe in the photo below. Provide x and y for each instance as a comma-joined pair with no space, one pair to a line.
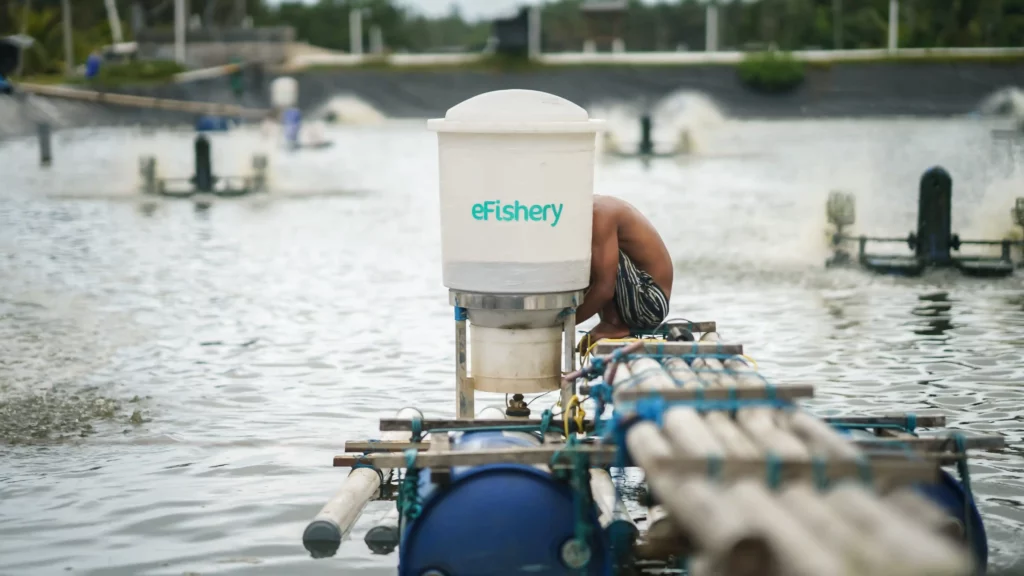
609,505
912,549
324,533
712,523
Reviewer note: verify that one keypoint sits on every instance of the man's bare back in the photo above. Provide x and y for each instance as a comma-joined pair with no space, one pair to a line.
630,291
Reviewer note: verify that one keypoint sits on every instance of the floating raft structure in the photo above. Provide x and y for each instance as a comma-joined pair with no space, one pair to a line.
737,479
932,243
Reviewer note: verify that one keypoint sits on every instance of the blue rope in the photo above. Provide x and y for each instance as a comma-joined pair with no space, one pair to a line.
715,467
655,401
820,477
408,501
545,423
417,429
864,467
773,470
911,422
380,474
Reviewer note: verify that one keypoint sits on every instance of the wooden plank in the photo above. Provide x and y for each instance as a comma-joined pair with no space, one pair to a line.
889,420
426,425
657,346
785,392
940,447
934,443
893,470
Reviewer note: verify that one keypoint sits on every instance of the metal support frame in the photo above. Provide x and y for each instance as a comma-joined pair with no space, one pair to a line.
464,392
568,356
565,302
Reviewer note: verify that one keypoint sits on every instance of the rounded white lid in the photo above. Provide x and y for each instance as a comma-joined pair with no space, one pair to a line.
516,111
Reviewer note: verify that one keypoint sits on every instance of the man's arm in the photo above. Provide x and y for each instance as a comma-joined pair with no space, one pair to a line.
604,267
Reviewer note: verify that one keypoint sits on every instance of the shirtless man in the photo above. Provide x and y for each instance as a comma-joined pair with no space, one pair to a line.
630,272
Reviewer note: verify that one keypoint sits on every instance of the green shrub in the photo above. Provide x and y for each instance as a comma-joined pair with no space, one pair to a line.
138,71
771,71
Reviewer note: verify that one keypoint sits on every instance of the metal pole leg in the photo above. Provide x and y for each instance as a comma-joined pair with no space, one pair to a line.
568,357
464,393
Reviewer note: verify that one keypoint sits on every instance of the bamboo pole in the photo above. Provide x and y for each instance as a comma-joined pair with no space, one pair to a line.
663,538
685,430
823,438
324,533
613,518
797,550
711,522
142,101
858,551
912,548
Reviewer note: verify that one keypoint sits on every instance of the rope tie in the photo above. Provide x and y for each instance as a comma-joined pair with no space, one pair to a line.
715,467
820,476
773,470
911,423
417,429
545,423
408,502
864,467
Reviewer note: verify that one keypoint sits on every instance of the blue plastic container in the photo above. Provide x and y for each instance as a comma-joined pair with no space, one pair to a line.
949,494
497,519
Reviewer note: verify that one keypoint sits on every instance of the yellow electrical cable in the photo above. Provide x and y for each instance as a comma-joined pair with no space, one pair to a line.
745,357
574,402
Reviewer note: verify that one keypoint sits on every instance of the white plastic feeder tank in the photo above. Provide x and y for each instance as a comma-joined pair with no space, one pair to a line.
516,185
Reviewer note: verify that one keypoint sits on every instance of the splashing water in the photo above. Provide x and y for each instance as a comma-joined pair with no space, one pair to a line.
683,114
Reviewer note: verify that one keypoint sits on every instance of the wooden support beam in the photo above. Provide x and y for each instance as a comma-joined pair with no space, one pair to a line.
933,443
391,424
785,392
656,346
889,420
891,470
890,446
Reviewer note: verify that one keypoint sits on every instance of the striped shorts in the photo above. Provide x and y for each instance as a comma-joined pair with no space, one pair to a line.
641,303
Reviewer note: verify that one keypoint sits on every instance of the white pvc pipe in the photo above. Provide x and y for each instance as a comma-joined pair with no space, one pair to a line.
325,532
894,24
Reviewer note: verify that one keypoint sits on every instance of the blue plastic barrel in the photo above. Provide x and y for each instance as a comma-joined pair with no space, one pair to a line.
949,494
497,519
